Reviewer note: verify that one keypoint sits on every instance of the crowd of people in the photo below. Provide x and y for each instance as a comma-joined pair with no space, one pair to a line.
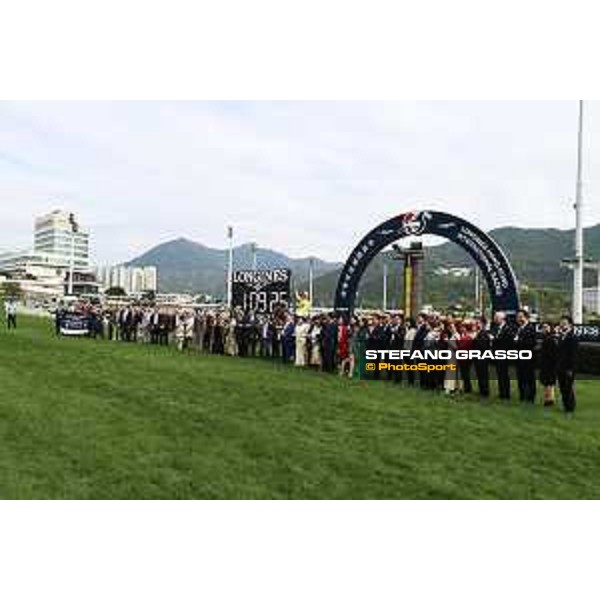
330,344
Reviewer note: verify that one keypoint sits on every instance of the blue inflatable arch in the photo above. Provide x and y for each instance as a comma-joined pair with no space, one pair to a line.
489,257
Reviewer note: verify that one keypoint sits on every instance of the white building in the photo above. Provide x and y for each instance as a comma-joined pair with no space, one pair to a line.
458,272
43,272
151,278
133,280
58,234
591,300
38,275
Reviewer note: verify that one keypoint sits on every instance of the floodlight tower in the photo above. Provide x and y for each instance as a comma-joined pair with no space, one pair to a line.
230,266
579,260
311,266
254,249
385,283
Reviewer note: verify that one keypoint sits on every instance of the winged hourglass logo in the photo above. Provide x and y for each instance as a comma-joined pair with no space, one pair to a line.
414,223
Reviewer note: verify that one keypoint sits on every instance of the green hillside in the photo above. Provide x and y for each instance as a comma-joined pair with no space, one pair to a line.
187,266
88,419
535,255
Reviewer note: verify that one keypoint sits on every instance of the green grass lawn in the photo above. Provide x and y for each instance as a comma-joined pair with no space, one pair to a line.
88,419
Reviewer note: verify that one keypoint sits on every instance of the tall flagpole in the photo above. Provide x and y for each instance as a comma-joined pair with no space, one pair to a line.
254,248
71,264
477,292
74,230
598,293
311,264
230,267
579,258
385,278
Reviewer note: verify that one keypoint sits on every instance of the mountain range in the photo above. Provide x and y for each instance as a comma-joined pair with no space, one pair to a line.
187,266
535,254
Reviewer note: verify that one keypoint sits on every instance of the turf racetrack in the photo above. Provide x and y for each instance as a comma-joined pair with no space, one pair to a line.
90,419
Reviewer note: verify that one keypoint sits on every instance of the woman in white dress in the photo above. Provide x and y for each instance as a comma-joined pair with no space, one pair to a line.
231,342
411,330
302,328
180,329
451,374
315,344
188,329
144,327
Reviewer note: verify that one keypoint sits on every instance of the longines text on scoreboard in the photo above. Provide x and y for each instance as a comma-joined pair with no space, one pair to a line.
261,291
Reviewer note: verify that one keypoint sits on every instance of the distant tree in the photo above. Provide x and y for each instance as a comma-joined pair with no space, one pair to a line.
115,291
202,298
149,296
11,289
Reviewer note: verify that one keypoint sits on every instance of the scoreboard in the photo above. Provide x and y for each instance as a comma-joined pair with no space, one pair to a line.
261,291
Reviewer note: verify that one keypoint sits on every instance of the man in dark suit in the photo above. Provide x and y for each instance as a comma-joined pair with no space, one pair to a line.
136,319
242,334
154,327
502,335
329,337
376,338
525,339
164,324
567,364
288,345
266,337
58,317
418,344
395,336
125,322
482,342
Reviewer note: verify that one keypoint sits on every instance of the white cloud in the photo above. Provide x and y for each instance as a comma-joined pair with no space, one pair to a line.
305,178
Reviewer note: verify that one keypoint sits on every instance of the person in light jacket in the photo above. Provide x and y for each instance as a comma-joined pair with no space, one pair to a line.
302,328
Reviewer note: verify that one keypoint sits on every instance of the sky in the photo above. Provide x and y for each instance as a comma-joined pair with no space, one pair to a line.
304,178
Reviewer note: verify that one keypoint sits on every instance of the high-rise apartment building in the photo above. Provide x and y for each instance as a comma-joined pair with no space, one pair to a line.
133,280
45,271
58,234
150,281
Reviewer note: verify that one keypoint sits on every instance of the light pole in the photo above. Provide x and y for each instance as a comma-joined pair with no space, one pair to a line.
478,294
254,248
311,265
385,278
598,293
74,229
578,270
230,267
